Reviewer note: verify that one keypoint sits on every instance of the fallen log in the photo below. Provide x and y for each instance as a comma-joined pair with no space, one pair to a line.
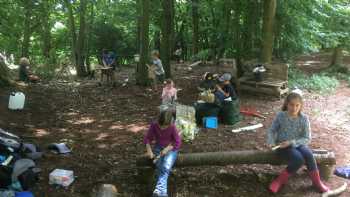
195,64
325,159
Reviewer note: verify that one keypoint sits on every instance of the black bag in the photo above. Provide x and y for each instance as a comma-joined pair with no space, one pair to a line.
5,177
29,178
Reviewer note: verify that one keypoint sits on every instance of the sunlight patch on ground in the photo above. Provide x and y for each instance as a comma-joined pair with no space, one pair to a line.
135,128
62,130
102,146
116,127
83,120
41,132
102,136
332,115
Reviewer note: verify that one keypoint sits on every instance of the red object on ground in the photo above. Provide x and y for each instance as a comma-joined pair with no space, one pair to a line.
251,112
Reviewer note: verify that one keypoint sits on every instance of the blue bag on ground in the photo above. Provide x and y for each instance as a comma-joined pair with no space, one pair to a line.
24,194
343,172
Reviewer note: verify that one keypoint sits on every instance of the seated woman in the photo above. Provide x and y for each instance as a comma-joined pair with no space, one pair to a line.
226,93
24,72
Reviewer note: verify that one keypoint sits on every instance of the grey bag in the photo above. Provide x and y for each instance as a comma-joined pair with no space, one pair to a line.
31,151
10,140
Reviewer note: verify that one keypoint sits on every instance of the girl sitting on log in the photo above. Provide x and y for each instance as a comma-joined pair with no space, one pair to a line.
164,154
290,131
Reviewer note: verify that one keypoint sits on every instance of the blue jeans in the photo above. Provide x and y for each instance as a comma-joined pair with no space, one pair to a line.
297,156
164,165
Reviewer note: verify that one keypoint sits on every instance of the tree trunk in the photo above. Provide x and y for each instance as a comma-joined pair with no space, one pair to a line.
195,26
166,41
141,69
4,73
72,29
337,57
80,49
88,31
106,190
138,22
46,31
28,6
268,30
251,26
233,157
225,24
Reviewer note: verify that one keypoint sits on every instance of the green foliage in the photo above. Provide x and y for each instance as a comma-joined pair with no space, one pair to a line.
202,55
226,28
320,83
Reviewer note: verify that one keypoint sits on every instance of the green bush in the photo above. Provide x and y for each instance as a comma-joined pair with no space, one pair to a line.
321,83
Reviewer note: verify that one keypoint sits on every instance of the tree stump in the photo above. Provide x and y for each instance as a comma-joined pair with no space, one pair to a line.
106,190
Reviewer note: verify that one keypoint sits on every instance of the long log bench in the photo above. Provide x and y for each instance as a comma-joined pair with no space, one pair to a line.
325,160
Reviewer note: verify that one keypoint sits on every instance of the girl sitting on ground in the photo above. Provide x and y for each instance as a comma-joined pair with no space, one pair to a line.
169,94
291,131
164,154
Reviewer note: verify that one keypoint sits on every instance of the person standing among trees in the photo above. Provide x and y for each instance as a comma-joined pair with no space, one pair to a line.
109,59
291,131
159,71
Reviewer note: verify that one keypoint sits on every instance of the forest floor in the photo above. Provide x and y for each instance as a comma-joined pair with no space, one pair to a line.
104,127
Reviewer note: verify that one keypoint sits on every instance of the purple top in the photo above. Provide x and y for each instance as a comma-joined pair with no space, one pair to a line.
163,137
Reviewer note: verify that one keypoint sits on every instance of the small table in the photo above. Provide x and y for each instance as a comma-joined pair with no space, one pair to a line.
108,72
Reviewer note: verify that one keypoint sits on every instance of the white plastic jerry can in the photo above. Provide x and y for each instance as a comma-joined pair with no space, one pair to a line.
16,101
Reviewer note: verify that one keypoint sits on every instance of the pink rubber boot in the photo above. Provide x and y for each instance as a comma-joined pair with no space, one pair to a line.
276,184
316,181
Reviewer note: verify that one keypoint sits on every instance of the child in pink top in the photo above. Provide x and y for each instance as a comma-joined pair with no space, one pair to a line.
169,94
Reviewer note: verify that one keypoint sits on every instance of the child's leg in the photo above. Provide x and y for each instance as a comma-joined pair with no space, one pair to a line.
164,166
295,161
312,167
294,157
308,157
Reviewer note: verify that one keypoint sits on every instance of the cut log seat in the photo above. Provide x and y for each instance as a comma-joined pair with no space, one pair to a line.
325,159
275,82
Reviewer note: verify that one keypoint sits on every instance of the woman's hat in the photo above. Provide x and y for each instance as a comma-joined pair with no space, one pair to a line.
225,77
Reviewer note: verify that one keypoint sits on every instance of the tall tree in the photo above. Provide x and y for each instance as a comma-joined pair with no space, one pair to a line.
78,41
46,29
4,72
167,35
27,31
141,69
195,26
268,30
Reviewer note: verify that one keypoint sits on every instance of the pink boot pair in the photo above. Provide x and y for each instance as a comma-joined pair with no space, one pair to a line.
282,179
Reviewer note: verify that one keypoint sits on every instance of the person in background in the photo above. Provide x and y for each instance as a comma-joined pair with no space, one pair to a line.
159,71
152,75
225,90
208,82
167,144
290,131
25,74
169,94
92,71
109,59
